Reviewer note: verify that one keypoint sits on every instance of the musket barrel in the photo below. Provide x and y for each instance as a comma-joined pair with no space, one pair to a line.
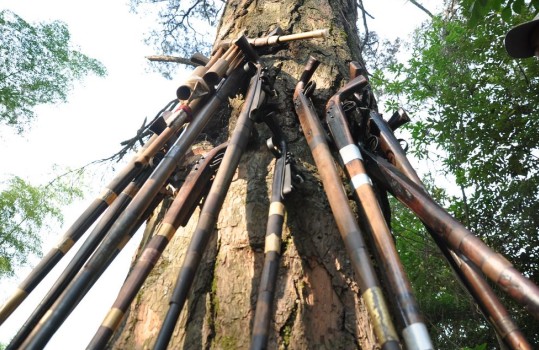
48,324
246,48
494,311
488,302
174,123
235,62
199,59
194,83
95,237
457,237
391,147
272,246
398,119
208,215
490,306
220,67
194,86
71,236
123,228
414,330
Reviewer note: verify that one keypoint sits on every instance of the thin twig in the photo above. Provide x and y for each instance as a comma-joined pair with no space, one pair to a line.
174,59
421,7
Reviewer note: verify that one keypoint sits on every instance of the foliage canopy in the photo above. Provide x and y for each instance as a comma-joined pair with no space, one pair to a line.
476,10
24,211
37,66
480,124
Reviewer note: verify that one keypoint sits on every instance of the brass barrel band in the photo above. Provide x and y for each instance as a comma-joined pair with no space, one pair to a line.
45,317
188,111
65,244
349,153
273,243
108,196
113,319
505,325
166,230
12,303
360,180
131,191
383,327
276,208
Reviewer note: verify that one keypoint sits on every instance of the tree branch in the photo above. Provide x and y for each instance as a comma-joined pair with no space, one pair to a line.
421,7
364,15
174,59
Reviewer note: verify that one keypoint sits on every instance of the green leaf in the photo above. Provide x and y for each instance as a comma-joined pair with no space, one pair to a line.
507,13
518,6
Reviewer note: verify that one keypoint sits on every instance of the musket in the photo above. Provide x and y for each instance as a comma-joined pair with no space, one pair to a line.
125,226
389,144
281,186
346,222
71,236
68,300
212,205
414,331
492,309
93,240
223,61
453,234
96,208
272,40
194,188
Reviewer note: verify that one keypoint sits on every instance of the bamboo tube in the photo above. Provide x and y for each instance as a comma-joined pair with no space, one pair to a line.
279,39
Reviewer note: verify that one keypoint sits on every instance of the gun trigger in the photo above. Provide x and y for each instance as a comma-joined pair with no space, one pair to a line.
271,146
309,89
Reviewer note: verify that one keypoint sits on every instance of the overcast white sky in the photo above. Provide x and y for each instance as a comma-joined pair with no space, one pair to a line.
101,113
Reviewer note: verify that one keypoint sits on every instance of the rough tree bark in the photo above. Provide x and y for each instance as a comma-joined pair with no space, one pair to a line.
317,303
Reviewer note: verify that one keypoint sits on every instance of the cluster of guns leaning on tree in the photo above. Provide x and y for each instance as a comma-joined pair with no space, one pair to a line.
374,162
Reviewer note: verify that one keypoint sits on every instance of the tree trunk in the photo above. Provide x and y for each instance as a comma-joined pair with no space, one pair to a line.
317,302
